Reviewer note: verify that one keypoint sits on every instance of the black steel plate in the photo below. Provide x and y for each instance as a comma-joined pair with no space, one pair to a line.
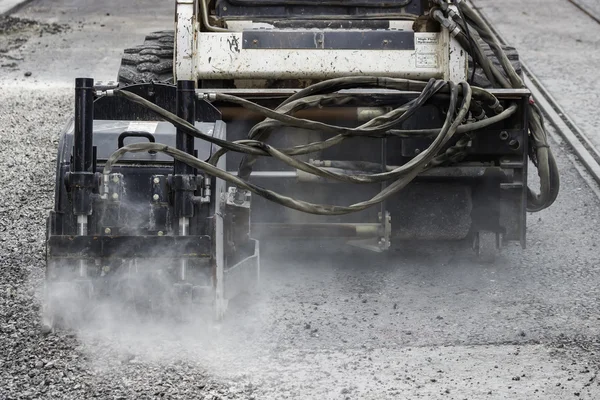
128,246
329,40
315,10
313,3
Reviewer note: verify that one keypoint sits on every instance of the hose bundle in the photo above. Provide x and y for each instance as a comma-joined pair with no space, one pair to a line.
540,153
465,114
460,103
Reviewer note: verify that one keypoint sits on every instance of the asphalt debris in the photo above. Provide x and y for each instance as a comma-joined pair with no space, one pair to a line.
16,32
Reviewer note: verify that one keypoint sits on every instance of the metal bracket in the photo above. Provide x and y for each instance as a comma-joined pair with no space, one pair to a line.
101,86
238,198
159,211
386,222
115,187
378,244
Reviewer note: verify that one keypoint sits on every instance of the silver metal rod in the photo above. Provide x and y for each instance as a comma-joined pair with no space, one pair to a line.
462,171
184,228
270,174
82,230
330,230
289,92
82,225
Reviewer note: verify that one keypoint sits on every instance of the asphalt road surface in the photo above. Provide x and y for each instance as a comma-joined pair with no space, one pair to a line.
561,45
427,323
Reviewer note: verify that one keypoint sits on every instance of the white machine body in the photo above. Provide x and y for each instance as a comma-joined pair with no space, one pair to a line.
252,53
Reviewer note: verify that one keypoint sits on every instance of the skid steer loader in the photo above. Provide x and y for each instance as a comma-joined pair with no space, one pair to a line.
367,121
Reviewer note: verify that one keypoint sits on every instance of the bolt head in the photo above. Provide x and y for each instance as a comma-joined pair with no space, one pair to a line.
115,196
155,197
160,233
115,179
156,181
107,231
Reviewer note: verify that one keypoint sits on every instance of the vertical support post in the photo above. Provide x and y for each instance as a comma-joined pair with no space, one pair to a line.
523,172
84,124
185,39
384,241
81,178
220,190
184,180
456,65
186,109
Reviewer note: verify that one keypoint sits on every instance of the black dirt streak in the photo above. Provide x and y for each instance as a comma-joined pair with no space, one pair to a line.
16,32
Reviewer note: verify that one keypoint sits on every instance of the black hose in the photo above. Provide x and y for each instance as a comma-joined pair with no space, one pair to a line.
381,124
538,138
324,94
406,172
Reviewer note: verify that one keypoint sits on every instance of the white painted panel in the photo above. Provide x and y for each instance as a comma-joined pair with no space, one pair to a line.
222,57
185,45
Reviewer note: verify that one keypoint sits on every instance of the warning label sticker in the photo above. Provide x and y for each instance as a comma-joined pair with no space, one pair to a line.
427,60
427,40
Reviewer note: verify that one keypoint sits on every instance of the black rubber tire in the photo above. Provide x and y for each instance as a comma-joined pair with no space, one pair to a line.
149,62
480,79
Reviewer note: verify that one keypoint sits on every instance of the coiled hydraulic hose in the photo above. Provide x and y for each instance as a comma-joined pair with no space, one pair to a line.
402,176
541,154
326,93
255,147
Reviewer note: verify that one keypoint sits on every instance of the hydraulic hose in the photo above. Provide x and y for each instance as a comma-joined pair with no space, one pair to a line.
262,130
405,174
543,157
327,93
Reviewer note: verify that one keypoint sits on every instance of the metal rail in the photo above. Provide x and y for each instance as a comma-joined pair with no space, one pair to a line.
564,125
585,9
285,93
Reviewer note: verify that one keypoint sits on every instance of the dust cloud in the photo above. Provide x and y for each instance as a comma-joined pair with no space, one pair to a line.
138,317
